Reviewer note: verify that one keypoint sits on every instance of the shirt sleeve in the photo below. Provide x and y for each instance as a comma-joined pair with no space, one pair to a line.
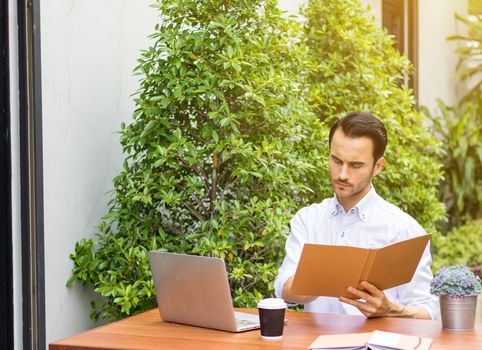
294,245
417,291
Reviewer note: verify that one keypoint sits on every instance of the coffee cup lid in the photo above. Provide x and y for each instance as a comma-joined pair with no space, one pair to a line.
272,303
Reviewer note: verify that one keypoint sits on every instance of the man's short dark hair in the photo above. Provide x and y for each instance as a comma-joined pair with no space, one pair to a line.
360,124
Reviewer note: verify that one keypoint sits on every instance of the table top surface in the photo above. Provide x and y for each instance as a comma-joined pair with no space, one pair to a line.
146,331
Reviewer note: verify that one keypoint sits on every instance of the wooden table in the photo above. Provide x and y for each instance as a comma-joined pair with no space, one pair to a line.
146,331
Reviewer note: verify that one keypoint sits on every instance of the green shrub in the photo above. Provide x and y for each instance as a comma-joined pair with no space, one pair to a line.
222,151
460,129
469,66
356,67
461,246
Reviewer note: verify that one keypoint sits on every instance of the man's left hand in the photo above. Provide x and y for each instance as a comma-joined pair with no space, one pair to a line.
375,303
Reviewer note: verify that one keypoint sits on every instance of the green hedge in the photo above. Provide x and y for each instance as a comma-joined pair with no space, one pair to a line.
461,246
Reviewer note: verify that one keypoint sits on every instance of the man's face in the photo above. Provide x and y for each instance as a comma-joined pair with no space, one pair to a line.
351,167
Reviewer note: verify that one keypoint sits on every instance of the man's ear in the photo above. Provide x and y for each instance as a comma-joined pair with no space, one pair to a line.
378,166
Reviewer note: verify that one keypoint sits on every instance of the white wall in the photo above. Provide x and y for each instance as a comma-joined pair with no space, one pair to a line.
15,163
437,60
375,9
291,6
89,49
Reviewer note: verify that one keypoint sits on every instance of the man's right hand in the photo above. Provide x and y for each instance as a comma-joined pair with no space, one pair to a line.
295,299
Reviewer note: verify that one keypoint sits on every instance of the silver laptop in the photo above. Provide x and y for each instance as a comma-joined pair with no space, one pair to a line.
194,290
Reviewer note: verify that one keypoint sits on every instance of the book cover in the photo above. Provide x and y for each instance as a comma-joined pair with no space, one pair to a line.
327,270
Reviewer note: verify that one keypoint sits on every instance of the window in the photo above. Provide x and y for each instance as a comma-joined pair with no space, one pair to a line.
400,18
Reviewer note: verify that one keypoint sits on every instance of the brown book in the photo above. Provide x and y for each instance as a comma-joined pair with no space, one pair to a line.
327,270
375,340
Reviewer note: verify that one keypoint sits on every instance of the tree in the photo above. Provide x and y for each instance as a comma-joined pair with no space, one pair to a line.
355,67
222,151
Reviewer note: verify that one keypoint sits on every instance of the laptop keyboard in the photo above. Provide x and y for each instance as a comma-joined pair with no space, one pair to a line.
246,321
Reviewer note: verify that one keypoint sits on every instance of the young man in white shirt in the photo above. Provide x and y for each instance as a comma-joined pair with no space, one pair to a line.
358,216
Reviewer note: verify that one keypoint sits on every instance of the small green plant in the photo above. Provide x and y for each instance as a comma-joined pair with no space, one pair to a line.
455,281
461,132
461,246
469,66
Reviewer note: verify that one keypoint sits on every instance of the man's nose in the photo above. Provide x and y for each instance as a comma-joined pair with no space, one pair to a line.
343,175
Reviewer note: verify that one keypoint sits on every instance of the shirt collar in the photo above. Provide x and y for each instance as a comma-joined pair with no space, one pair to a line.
361,208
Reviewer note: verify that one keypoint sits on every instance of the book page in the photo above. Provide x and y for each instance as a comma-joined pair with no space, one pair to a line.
383,340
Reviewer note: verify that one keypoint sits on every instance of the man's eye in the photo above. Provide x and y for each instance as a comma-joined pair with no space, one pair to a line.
357,166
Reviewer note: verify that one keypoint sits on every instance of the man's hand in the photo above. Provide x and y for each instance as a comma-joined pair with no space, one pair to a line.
376,304
296,299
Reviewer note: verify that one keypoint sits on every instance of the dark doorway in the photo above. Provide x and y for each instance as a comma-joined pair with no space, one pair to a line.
400,18
393,21
31,175
6,271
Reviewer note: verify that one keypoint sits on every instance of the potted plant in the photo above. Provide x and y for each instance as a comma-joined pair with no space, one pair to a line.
457,288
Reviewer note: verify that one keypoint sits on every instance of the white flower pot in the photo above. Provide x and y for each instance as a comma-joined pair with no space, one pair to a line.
458,314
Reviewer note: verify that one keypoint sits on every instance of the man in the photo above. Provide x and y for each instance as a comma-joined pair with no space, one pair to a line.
358,216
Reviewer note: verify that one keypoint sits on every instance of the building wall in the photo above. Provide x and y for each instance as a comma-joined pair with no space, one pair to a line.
89,49
291,6
376,9
437,60
15,160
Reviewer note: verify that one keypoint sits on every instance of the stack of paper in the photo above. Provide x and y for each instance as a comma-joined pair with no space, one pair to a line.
376,340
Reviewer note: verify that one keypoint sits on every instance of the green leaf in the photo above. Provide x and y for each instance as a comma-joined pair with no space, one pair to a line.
151,125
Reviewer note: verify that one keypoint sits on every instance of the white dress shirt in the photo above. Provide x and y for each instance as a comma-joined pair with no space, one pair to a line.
372,223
